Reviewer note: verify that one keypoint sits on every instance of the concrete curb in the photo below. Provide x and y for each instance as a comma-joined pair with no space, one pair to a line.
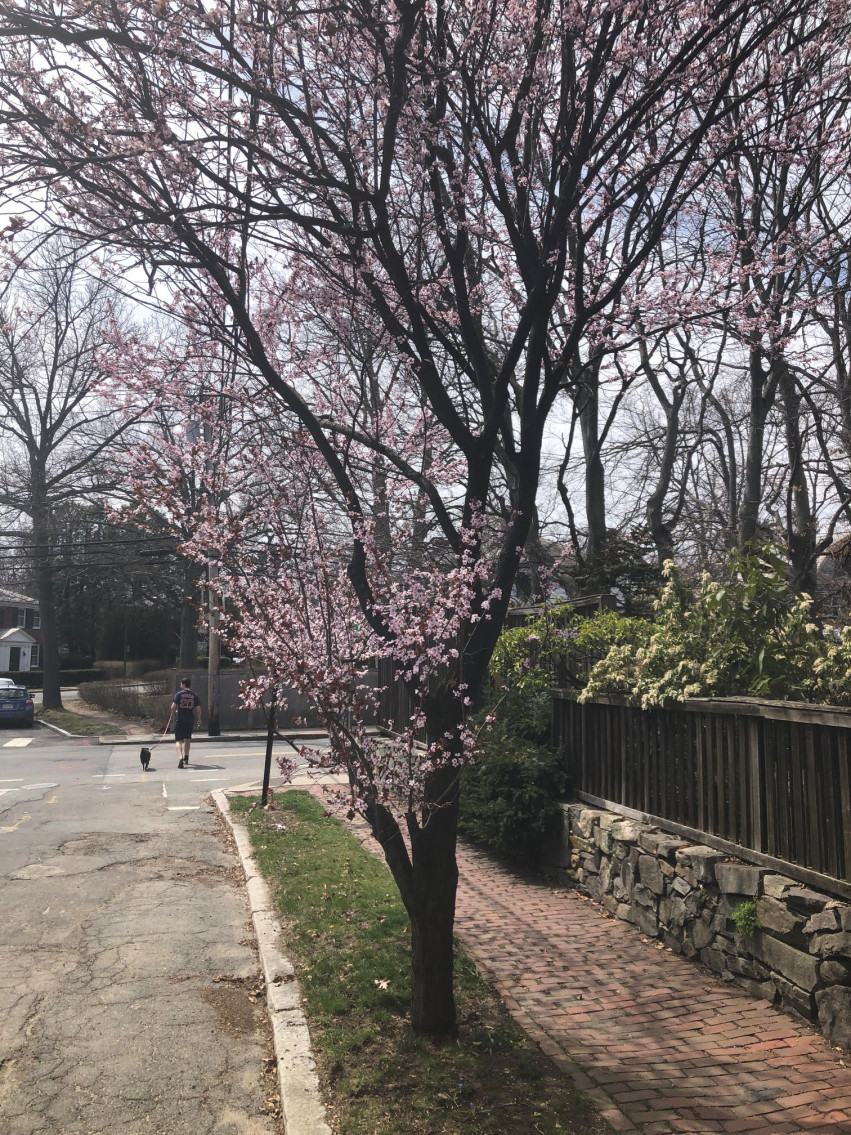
301,1104
64,732
199,739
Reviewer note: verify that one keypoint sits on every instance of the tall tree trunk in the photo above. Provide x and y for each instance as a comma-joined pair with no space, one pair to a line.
188,658
434,884
800,522
51,691
595,480
763,386
427,879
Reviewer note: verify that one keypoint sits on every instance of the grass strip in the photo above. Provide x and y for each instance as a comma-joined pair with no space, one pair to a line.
77,724
348,934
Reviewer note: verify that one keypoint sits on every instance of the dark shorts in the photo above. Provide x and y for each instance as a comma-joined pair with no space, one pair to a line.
183,730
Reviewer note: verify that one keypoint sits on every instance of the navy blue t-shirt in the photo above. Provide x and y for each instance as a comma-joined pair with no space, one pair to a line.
185,702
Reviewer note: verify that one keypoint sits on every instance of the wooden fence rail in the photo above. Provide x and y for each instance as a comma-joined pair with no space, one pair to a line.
771,777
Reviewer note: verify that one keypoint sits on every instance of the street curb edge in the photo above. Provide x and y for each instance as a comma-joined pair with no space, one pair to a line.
301,1103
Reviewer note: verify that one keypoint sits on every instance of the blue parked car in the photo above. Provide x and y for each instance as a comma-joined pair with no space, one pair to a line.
16,705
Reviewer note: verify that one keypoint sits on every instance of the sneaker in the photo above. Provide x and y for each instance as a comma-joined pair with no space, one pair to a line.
181,764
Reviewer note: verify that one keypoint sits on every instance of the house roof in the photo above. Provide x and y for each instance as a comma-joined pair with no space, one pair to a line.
16,634
16,598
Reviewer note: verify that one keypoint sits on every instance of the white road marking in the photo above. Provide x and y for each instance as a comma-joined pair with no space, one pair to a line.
13,780
184,808
3,791
204,779
164,791
52,784
18,743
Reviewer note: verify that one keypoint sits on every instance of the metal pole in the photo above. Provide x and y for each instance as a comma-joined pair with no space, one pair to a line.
270,739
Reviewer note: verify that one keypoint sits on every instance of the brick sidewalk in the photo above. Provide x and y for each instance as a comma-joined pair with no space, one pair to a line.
661,1045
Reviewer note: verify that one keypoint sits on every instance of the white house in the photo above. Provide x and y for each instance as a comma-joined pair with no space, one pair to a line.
20,632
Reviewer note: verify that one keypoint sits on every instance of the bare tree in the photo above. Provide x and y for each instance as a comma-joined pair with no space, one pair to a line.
55,428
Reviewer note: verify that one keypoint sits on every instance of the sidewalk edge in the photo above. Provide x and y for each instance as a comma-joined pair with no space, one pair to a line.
301,1103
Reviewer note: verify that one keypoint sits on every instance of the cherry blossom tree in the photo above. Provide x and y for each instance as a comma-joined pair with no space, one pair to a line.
483,182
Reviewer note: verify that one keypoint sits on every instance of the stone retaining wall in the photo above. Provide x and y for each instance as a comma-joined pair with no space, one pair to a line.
685,895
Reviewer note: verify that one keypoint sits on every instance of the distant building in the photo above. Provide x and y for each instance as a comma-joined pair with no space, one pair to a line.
20,632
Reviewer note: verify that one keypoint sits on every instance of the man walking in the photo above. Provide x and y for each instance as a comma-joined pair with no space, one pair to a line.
187,706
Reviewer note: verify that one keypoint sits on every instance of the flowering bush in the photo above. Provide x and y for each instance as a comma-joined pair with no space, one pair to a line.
749,634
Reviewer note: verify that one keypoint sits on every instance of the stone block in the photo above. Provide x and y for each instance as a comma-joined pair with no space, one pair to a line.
667,847
645,920
628,879
643,896
835,971
845,917
603,840
666,868
791,996
608,820
592,886
797,967
627,831
775,916
634,856
713,959
689,950
672,912
650,874
701,933
824,920
681,886
624,912
833,945
805,901
672,942
618,889
834,1014
607,870
763,990
687,874
699,860
648,840
585,821
738,878
621,851
748,967
610,903
777,886
591,862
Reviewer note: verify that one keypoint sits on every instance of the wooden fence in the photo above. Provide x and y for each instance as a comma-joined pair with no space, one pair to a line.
771,778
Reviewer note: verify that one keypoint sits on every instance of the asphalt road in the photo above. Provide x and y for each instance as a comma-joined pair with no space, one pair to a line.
128,974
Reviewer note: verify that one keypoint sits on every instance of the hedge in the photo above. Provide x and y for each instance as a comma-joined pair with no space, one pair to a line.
34,679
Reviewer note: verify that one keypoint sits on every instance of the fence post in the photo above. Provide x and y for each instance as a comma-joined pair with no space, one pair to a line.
756,782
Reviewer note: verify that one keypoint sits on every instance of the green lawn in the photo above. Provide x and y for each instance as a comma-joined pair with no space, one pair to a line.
77,724
347,931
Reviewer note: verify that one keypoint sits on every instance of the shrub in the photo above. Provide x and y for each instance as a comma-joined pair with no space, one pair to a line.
746,918
136,667
510,796
748,634
149,701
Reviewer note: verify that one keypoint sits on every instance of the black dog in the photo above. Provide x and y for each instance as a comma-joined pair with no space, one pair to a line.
145,758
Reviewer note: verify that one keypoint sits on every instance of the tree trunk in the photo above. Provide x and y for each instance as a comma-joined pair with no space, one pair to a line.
595,479
660,532
188,658
51,691
762,390
800,522
434,884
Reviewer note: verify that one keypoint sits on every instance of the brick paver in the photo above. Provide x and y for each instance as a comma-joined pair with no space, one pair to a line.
663,1047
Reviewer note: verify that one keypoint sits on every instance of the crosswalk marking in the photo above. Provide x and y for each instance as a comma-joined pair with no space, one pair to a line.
18,743
184,808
